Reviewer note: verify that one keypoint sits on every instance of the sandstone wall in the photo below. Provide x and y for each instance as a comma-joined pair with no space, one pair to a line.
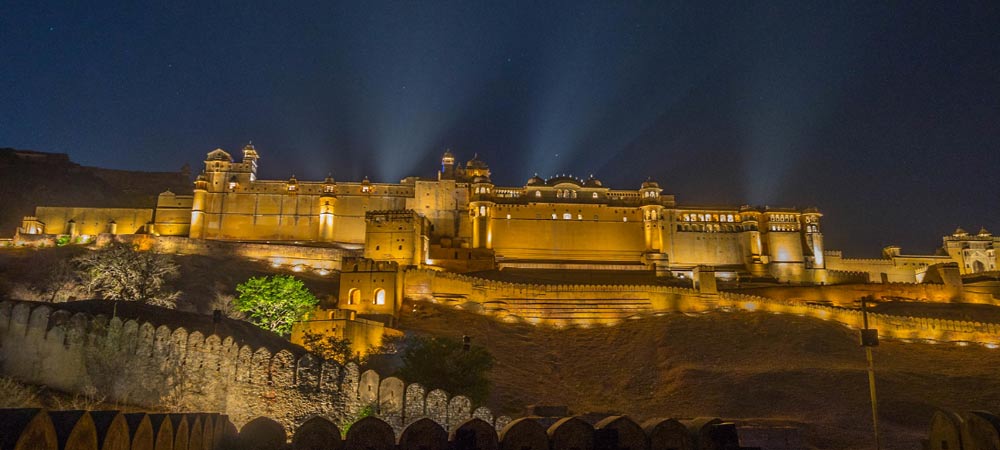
584,305
176,370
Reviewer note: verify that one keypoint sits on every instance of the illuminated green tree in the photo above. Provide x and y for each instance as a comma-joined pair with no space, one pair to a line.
273,303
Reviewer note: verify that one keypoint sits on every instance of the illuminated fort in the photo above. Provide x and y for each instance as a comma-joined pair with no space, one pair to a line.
443,240
461,221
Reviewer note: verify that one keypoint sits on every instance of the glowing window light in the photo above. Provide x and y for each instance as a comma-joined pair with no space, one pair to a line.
379,296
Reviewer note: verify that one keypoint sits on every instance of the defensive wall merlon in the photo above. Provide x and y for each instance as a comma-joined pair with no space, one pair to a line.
162,367
497,297
36,429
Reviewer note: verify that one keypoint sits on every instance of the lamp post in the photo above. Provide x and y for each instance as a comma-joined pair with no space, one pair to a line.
869,339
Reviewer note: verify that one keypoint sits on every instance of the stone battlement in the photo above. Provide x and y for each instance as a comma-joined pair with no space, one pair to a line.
163,367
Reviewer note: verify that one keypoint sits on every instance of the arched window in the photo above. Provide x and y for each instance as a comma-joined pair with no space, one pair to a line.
379,296
538,194
567,216
482,210
624,219
594,195
553,216
353,297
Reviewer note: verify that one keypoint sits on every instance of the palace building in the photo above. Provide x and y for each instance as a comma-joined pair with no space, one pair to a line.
460,220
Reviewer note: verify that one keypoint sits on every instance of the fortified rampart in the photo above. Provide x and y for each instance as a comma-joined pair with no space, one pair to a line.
584,305
288,255
554,304
171,368
848,294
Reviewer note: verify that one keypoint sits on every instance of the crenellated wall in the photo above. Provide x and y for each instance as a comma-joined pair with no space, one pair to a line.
584,305
553,304
172,369
296,257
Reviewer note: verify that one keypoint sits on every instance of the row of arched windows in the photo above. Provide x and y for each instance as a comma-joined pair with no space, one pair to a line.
710,228
711,218
354,296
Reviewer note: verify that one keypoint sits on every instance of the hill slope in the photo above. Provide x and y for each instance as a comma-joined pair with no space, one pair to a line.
758,367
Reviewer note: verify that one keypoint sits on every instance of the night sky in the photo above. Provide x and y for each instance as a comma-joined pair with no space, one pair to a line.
886,117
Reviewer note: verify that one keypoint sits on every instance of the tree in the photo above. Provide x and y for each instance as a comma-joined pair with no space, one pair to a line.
120,272
329,347
273,303
440,362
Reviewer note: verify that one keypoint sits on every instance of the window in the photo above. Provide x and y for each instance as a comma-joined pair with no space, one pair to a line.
594,195
508,216
567,216
553,216
292,187
538,194
482,210
232,185
579,217
379,296
624,219
353,297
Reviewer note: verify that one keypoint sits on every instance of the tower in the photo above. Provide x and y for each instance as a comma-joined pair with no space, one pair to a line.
250,158
813,237
753,246
481,210
198,201
327,205
652,212
447,166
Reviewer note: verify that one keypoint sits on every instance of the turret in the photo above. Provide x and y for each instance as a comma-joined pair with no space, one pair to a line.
813,237
650,191
250,158
481,209
198,201
447,166
327,206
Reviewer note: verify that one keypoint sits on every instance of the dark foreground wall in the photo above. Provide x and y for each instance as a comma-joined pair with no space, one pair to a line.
36,429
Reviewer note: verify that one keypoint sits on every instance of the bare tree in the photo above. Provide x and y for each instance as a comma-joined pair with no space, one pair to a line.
120,272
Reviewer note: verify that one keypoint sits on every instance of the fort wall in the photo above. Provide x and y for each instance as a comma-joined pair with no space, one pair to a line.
177,370
848,294
585,305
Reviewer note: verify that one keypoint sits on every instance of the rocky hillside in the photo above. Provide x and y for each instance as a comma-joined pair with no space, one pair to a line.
33,179
758,368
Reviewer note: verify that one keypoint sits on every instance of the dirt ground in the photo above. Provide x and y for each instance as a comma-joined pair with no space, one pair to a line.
755,368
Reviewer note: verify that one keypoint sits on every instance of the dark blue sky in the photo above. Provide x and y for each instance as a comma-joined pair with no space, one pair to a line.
885,117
